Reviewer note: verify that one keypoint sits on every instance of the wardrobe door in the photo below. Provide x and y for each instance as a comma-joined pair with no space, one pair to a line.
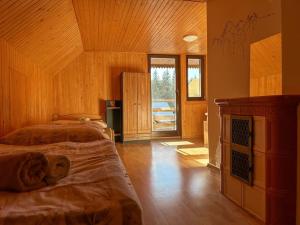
144,104
130,107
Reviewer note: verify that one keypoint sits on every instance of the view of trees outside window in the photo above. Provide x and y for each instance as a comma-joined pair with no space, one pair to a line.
163,88
194,77
194,84
163,83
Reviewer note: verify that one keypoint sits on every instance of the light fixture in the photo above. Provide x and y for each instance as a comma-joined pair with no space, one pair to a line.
190,38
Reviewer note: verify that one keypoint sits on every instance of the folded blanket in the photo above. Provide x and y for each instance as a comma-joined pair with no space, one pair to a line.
23,171
58,168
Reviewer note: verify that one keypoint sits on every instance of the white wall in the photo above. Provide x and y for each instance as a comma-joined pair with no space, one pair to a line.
290,59
229,56
290,46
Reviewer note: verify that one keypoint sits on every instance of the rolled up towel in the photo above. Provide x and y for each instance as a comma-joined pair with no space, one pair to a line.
58,168
23,171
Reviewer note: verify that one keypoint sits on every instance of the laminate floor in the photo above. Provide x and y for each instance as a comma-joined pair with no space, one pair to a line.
175,186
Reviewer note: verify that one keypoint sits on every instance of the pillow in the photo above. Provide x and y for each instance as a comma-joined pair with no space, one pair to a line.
94,124
79,116
67,122
51,133
100,123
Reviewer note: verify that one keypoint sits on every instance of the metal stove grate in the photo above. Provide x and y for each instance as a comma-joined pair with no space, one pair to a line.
240,132
241,148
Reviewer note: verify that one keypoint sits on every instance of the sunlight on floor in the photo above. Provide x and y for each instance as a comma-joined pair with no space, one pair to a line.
202,162
196,154
176,143
193,151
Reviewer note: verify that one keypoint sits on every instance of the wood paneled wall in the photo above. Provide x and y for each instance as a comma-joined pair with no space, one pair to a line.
193,112
96,75
25,91
28,95
93,76
266,67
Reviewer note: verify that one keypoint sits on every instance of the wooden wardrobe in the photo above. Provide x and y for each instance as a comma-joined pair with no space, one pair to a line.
136,95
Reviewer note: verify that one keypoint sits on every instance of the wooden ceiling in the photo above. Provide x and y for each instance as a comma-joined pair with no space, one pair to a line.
44,30
151,26
54,32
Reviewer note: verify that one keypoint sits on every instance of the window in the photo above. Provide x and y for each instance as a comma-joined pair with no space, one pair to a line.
165,75
195,77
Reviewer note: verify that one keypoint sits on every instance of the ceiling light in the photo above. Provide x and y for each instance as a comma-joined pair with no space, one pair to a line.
190,38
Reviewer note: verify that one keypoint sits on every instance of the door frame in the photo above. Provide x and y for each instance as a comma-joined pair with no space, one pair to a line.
178,96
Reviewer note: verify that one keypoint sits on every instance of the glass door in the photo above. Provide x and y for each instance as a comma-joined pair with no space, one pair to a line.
165,94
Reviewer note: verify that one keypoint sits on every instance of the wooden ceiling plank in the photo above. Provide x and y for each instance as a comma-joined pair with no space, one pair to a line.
177,12
182,16
114,26
139,30
149,26
56,26
159,40
40,29
122,25
12,20
130,27
149,9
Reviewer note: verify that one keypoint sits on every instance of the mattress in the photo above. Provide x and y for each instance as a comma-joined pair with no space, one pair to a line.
96,191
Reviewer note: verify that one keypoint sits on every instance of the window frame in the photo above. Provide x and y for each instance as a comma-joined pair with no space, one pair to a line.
178,95
202,58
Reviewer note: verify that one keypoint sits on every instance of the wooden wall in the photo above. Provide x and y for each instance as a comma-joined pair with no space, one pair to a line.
96,75
266,67
193,112
93,76
25,91
29,95
54,34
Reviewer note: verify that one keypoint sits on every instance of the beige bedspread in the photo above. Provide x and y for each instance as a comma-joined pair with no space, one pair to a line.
96,191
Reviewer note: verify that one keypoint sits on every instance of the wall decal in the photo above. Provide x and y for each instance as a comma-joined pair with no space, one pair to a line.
235,36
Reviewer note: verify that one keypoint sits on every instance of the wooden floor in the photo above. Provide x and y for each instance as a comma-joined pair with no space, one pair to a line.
176,188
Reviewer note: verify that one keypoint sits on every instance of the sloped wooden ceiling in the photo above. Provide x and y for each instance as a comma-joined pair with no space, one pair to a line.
44,30
151,26
52,34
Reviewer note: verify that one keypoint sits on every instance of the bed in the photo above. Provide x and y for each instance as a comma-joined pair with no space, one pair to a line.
92,119
96,191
